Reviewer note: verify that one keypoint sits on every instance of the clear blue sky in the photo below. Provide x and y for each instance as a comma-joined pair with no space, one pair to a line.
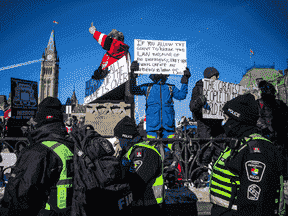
218,33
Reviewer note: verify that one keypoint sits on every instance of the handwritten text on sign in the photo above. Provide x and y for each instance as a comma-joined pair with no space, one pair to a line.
217,94
117,76
160,57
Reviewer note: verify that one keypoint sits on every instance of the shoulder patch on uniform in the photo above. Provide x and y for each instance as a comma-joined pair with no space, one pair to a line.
253,192
255,170
254,146
137,164
138,154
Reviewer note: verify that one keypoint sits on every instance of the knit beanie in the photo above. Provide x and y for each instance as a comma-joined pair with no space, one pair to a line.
210,71
126,128
49,111
243,108
267,88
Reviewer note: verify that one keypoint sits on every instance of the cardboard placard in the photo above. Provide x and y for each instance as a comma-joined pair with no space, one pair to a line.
160,57
217,94
117,76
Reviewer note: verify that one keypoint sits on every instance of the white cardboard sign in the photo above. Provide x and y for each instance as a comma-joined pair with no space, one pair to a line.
217,94
160,57
117,76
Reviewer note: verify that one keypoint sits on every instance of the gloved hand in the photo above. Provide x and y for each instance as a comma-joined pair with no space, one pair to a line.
99,73
134,67
186,76
92,29
118,150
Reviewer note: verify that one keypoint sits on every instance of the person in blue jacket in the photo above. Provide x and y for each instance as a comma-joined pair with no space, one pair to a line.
160,113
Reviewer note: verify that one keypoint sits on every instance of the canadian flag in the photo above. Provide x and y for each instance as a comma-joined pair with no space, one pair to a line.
145,123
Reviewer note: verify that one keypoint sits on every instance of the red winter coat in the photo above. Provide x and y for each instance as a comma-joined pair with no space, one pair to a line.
115,49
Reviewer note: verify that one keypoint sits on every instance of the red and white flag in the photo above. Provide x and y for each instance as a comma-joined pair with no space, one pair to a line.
55,22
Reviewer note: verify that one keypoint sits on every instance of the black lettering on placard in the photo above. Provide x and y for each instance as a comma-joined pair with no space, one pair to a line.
143,48
140,42
143,54
215,109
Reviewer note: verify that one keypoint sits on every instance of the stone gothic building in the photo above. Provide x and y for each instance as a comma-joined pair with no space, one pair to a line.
49,71
76,109
256,73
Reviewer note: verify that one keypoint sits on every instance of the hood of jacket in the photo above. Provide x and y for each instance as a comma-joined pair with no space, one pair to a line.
50,132
126,144
159,78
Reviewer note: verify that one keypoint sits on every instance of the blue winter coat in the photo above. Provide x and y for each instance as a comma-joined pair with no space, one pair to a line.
159,107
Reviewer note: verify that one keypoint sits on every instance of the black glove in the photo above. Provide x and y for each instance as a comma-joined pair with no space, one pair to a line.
186,76
100,74
134,67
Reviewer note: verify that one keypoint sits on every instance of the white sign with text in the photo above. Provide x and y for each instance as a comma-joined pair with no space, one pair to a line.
160,57
117,76
217,94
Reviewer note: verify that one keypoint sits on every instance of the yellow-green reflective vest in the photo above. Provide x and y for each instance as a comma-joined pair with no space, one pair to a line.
220,188
63,197
158,186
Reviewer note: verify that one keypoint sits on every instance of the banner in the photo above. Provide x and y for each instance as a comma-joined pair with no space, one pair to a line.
217,94
24,98
117,76
160,57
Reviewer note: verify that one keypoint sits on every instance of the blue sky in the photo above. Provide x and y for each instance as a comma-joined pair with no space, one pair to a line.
217,33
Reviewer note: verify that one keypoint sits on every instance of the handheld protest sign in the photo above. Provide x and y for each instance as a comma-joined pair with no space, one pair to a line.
160,57
217,94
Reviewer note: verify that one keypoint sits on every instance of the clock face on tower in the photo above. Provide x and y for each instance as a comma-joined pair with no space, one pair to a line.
49,57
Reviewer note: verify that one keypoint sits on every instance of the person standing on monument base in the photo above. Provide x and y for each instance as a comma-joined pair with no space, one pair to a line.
115,46
206,128
160,113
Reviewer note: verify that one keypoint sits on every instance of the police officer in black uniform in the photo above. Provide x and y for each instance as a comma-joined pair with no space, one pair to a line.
254,162
144,170
40,182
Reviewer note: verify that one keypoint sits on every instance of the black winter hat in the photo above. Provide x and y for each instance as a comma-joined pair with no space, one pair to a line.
266,88
210,71
126,128
49,111
243,108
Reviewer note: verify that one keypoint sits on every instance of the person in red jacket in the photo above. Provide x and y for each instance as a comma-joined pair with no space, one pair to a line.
115,46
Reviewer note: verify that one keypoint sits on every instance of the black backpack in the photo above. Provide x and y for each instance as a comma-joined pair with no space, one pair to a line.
94,165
